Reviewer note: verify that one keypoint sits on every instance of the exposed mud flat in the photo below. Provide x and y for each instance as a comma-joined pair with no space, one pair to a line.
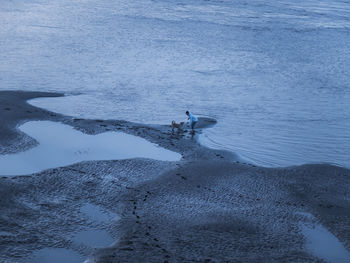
208,206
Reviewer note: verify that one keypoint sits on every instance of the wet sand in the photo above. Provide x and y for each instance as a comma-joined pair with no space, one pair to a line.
207,207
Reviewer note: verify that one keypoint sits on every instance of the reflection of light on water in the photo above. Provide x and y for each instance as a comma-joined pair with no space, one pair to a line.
322,243
89,237
256,67
55,255
93,238
96,214
82,151
61,145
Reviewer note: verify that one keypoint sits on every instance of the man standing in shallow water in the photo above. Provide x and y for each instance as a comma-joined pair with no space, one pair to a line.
193,120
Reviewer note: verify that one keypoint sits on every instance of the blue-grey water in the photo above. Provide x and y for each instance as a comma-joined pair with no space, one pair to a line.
62,145
275,74
320,242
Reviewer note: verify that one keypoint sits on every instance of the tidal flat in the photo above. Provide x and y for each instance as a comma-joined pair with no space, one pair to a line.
209,206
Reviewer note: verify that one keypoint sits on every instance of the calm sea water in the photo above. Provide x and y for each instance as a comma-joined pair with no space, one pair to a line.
275,74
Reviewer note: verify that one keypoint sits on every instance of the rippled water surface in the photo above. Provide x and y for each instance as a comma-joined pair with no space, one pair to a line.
275,74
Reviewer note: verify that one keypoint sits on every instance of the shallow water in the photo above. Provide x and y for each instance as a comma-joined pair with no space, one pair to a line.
55,255
62,145
323,244
273,73
93,238
97,214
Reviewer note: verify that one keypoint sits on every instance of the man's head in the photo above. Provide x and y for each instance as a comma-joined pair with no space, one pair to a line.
187,113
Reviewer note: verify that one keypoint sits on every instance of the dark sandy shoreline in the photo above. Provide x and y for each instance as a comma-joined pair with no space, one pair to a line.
208,207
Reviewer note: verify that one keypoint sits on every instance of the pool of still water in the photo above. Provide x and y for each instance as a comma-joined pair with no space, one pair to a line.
93,238
89,237
55,255
322,243
62,145
96,214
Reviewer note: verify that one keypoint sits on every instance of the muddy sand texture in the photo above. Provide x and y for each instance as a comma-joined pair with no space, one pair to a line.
208,207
